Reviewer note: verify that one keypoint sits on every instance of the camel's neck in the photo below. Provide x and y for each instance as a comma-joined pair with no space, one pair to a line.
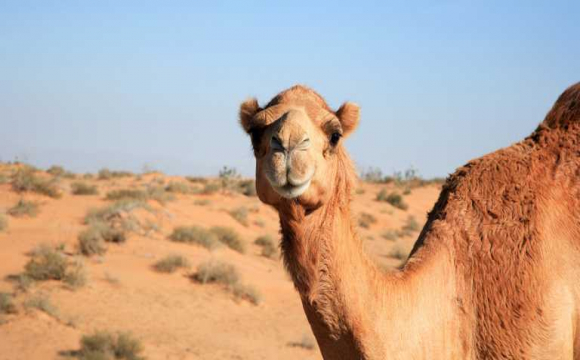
354,308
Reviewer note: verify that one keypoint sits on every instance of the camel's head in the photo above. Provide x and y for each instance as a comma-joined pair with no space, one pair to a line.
297,141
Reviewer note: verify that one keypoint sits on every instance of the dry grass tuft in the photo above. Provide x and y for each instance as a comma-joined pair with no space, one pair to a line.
307,342
217,272
107,345
26,180
268,246
394,198
7,304
178,188
171,263
46,263
3,222
194,235
229,237
24,208
42,302
82,188
247,292
127,194
240,214
365,220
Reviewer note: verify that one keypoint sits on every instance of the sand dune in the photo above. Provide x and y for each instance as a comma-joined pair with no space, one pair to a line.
172,315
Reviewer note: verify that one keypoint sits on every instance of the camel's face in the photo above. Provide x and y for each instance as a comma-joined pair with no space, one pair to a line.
295,143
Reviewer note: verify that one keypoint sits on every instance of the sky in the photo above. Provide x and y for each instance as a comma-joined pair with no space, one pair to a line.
137,85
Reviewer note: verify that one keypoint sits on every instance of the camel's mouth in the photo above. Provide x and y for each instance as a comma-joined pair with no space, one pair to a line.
290,191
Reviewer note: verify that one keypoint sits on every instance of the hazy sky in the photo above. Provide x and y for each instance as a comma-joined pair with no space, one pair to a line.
122,84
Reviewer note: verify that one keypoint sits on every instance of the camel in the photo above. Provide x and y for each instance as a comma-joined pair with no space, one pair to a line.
494,274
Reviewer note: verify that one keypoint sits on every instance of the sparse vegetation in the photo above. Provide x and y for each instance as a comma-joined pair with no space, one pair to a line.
42,302
76,274
390,235
247,187
106,174
411,225
7,304
306,342
25,180
46,263
56,170
127,194
229,237
217,272
394,198
202,202
24,208
82,188
365,220
107,345
268,246
178,187
398,252
3,222
240,214
247,292
171,263
211,188
194,235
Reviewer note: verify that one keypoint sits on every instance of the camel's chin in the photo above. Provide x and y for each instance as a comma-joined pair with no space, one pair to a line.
292,192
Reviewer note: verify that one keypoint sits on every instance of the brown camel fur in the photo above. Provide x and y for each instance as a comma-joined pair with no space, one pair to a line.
495,273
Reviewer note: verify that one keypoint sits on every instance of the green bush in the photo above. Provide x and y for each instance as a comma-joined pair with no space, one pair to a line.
171,263
82,188
229,237
24,208
194,235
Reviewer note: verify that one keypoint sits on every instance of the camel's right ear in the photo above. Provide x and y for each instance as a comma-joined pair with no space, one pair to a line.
248,110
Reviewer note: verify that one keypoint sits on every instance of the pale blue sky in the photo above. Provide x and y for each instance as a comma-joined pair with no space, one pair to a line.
127,83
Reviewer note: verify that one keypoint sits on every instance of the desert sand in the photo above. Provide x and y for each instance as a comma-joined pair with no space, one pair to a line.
172,315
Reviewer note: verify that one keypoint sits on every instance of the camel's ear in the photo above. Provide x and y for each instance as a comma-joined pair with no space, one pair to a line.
248,109
348,114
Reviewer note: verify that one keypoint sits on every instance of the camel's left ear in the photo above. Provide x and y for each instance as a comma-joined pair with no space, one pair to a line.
348,114
248,109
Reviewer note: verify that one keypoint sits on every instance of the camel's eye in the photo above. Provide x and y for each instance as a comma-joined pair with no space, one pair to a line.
334,138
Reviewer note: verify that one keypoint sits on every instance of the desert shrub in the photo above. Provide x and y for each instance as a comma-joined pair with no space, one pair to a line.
247,187
202,202
359,191
3,222
106,174
260,223
217,272
7,304
228,178
211,188
196,179
159,194
407,191
125,194
178,187
106,345
56,170
76,274
24,208
69,175
247,292
306,342
194,235
82,188
25,180
42,302
365,220
240,214
46,263
115,210
411,225
394,198
390,235
171,263
229,237
398,252
88,176
90,242
268,246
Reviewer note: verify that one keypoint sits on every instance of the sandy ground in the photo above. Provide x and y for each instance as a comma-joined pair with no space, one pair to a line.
173,316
